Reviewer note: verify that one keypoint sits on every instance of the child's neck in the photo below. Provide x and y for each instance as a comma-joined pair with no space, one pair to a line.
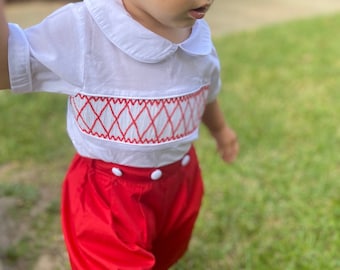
174,34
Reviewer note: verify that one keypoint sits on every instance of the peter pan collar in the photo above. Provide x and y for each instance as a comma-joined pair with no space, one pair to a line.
139,42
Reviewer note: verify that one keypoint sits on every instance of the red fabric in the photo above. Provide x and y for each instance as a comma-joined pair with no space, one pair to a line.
129,222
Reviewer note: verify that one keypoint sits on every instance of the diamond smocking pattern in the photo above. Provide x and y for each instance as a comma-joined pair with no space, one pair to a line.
139,121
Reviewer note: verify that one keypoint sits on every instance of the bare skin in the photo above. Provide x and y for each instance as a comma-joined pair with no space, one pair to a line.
173,20
226,138
4,74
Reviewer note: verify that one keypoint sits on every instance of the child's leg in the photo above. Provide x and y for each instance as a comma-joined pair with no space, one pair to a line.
173,240
89,224
127,220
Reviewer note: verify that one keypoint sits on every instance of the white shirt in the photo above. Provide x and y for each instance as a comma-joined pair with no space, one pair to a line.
135,98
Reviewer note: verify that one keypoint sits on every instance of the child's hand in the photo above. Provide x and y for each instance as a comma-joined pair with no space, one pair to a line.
227,144
226,138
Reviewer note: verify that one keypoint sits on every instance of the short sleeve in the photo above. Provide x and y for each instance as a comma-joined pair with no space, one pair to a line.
215,79
18,60
49,56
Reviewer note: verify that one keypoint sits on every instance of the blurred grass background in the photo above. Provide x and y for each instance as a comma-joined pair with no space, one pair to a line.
277,207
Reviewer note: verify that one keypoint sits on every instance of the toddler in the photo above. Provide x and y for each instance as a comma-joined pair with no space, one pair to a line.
141,75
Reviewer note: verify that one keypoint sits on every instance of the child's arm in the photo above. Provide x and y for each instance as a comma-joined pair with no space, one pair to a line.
225,137
4,73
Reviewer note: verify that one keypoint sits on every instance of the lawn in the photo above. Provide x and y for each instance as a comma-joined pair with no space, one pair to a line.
276,208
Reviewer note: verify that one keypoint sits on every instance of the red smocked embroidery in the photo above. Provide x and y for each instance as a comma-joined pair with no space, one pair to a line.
139,121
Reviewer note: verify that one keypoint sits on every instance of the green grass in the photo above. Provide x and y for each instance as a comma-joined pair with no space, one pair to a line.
33,127
278,206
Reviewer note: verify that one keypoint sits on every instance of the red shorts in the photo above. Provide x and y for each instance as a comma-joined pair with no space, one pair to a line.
118,217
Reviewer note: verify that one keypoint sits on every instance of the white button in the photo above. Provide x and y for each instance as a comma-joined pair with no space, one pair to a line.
156,174
185,160
117,171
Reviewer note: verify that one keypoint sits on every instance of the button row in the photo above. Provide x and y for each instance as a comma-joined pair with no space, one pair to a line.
157,173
